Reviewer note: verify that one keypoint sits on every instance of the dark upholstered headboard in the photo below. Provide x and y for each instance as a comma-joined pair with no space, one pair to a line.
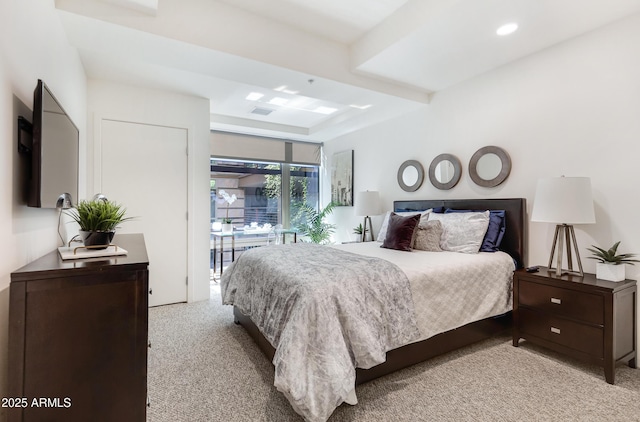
514,240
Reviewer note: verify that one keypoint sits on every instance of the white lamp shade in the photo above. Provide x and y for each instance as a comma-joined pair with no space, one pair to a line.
564,200
367,203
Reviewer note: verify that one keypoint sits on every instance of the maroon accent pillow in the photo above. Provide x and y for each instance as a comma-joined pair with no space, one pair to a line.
400,232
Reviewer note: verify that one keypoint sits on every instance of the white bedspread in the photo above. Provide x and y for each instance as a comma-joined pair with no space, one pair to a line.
450,289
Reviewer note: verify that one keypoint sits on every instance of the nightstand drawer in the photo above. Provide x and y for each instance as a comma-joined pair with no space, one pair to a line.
582,337
570,303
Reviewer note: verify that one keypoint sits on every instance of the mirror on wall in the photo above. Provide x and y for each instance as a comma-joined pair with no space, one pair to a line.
489,166
445,171
410,175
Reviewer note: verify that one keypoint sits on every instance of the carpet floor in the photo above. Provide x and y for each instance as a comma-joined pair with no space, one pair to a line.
203,367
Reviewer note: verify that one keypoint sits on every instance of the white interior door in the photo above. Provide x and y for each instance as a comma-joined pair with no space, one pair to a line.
144,168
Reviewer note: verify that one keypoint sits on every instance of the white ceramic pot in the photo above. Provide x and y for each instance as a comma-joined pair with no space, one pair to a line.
227,228
610,272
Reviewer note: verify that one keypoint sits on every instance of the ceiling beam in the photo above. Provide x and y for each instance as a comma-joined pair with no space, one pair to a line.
149,7
222,28
409,18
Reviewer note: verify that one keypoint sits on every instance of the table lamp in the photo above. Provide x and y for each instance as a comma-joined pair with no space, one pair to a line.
565,201
366,204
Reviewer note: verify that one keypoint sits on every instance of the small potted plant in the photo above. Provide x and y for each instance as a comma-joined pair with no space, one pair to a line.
98,220
227,226
358,230
610,264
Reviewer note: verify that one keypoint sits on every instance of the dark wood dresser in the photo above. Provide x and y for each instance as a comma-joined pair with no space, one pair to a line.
583,317
78,337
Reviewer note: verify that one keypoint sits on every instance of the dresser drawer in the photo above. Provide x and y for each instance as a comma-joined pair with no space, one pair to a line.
582,337
574,304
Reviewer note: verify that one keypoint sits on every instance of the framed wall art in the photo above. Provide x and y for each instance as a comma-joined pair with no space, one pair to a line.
342,178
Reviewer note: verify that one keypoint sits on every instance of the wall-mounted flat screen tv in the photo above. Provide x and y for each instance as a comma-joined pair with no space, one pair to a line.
54,154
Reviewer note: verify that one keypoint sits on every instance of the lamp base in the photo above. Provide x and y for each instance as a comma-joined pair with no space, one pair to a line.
565,234
364,229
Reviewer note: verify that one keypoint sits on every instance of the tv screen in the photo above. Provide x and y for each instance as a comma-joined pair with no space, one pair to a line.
54,156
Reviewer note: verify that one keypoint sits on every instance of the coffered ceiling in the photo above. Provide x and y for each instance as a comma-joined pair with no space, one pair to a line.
319,68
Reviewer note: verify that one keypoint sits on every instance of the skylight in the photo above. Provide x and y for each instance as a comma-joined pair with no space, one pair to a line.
278,101
284,89
254,96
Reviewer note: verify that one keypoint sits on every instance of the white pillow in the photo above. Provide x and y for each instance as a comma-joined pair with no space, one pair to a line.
462,231
382,234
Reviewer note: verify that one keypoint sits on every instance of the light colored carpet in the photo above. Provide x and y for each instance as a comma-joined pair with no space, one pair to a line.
203,367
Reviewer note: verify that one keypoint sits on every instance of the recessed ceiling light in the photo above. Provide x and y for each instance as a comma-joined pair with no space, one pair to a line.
278,101
507,29
325,110
364,107
254,96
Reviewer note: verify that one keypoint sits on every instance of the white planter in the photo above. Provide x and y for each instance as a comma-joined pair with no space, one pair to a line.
227,228
610,272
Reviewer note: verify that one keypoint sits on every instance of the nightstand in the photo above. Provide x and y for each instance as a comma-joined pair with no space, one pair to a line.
583,317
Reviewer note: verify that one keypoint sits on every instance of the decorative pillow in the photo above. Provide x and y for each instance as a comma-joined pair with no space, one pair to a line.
385,222
428,236
383,228
495,231
462,232
400,232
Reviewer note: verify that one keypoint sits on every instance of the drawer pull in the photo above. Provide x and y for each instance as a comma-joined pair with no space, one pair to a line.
555,330
556,301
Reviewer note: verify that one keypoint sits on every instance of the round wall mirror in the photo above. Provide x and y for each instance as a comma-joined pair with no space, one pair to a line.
410,175
489,166
445,171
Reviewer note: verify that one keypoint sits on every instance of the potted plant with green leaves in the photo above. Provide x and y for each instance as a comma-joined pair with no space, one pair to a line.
358,230
610,264
312,225
98,220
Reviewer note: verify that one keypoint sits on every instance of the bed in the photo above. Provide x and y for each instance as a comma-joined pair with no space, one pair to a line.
306,361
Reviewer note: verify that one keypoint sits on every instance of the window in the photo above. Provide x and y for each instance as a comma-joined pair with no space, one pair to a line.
304,186
258,187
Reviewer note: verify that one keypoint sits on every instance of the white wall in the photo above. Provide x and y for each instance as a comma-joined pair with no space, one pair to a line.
110,100
32,46
569,110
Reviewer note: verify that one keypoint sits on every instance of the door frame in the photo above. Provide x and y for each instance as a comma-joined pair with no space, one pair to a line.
98,118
